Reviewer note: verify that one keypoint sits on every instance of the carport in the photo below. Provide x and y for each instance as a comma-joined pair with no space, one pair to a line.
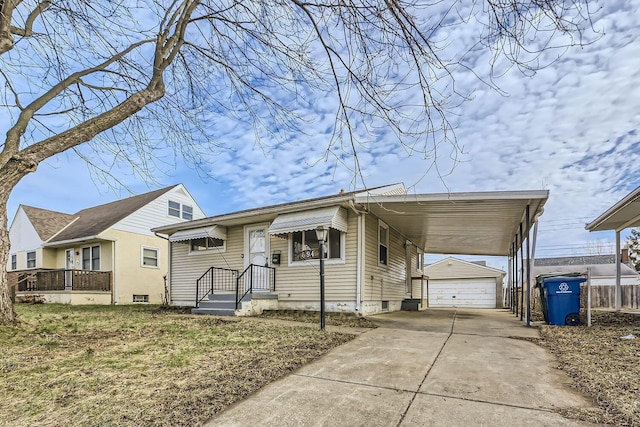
624,214
501,223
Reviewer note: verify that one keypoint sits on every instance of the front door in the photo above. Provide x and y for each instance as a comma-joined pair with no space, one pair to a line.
257,253
70,257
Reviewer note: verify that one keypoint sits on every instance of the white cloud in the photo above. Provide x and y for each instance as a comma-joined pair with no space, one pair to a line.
571,128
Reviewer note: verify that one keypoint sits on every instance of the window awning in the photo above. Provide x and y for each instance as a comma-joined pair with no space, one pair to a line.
215,232
333,217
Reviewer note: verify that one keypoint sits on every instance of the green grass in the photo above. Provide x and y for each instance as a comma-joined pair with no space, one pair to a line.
138,365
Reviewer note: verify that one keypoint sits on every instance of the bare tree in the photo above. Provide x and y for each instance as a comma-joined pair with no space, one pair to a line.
132,80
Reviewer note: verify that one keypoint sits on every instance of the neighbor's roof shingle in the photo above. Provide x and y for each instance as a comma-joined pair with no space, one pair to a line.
47,223
93,221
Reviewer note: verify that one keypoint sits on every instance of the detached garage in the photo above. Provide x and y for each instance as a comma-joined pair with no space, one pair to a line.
457,283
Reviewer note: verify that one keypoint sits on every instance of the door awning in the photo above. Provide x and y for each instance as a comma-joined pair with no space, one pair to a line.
333,217
215,232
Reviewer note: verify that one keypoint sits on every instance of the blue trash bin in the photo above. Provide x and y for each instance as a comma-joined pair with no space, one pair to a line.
562,296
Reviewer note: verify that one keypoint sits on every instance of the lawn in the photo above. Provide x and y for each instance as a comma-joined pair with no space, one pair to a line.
602,364
139,365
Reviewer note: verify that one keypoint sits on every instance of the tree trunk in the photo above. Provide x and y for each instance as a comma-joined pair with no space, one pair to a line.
7,315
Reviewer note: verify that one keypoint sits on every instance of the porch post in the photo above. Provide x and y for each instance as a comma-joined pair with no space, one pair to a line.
528,314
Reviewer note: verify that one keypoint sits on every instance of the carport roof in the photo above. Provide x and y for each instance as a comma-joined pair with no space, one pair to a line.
479,223
624,214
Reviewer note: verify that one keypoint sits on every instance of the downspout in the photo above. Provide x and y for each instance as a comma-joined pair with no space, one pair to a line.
114,293
359,252
168,281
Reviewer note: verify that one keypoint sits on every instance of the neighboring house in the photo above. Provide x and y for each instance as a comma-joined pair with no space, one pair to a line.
603,277
374,254
103,254
457,283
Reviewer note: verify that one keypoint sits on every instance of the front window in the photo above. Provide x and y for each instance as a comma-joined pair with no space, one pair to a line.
419,260
383,243
31,259
91,258
305,245
150,257
206,243
14,262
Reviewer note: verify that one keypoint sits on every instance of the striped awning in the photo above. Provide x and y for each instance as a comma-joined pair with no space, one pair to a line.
333,217
215,232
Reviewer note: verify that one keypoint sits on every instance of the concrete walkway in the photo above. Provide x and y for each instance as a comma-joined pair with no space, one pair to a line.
431,368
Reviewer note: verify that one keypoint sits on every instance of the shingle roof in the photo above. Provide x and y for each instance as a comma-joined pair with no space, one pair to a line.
93,221
46,222
577,260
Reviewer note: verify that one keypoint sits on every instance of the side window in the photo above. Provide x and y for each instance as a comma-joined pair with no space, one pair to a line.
383,243
31,259
187,212
174,209
14,262
150,257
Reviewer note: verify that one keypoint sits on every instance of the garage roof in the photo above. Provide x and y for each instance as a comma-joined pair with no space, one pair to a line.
624,214
481,223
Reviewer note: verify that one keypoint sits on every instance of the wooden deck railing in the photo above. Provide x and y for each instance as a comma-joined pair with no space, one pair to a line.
60,280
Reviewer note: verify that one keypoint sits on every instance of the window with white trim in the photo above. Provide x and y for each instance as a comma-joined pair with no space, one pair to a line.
174,209
305,245
31,259
91,258
180,210
383,243
206,243
187,212
150,257
14,262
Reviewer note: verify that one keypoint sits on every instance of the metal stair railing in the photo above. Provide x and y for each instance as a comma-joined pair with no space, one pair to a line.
215,279
259,277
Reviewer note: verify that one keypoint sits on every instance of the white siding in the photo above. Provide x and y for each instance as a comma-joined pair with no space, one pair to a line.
302,282
298,285
452,268
22,235
383,282
156,214
187,267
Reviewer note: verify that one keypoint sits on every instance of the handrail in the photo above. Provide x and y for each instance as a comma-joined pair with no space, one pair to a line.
264,282
215,279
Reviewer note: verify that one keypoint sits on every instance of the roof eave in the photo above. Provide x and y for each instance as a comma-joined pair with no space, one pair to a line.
598,224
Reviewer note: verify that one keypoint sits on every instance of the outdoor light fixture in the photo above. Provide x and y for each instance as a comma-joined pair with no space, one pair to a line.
321,233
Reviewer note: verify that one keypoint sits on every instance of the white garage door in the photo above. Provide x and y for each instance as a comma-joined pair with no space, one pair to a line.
463,293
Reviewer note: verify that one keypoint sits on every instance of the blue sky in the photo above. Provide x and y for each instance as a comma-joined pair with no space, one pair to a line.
571,128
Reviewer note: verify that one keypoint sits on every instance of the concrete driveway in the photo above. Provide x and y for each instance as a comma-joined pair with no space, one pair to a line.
435,367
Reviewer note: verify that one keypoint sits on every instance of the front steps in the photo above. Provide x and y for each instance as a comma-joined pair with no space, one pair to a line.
220,304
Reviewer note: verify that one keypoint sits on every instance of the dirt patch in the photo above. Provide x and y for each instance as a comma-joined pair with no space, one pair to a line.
603,360
331,318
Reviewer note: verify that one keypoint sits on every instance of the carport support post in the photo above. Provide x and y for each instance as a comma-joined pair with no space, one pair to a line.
509,271
528,226
522,273
514,301
618,273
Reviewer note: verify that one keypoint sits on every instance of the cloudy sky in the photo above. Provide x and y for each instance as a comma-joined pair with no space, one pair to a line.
571,128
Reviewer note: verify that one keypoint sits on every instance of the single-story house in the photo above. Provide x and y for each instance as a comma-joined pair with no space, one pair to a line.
457,283
101,255
373,252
